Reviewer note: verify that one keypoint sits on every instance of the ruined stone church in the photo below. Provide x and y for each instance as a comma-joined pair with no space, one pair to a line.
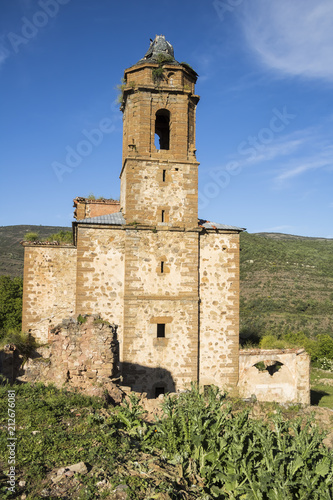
168,280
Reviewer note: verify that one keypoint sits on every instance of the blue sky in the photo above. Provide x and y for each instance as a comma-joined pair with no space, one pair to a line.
264,121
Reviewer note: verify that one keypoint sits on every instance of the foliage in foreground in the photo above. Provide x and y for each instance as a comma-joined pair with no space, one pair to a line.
217,450
243,458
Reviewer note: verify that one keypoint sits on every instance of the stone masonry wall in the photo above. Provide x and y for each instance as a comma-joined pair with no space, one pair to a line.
290,383
152,298
49,287
100,273
219,309
147,195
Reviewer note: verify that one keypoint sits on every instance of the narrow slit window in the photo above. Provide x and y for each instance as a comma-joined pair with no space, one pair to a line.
162,215
163,175
162,267
160,330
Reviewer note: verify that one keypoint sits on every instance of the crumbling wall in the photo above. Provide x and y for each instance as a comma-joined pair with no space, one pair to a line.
78,354
85,208
281,376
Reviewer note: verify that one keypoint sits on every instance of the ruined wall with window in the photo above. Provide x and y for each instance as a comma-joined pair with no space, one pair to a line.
275,375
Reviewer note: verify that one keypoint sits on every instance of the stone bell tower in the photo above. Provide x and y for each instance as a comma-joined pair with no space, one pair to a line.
159,200
159,177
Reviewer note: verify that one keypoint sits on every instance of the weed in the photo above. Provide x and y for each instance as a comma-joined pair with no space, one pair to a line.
81,319
100,321
158,73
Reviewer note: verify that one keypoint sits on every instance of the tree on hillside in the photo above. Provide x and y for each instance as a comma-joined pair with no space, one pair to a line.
11,291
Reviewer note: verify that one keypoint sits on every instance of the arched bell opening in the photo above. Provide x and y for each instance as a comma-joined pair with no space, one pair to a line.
162,129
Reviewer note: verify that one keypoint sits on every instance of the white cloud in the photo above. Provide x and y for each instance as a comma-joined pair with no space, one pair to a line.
294,37
286,145
304,163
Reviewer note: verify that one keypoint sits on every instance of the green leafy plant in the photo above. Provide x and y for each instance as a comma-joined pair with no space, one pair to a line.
158,73
31,236
100,321
121,88
62,237
212,447
238,457
81,319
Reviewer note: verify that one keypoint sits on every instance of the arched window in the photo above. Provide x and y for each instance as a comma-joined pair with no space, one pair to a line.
170,78
162,129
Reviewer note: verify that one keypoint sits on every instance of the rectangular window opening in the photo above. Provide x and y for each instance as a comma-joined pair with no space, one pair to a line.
163,215
163,175
160,330
162,267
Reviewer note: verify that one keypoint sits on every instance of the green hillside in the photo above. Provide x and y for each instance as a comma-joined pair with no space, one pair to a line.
12,253
286,285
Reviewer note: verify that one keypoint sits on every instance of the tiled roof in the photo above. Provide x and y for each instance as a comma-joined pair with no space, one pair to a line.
118,220
110,219
214,225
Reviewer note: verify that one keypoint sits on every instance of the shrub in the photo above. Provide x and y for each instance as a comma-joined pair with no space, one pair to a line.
325,364
31,236
62,237
271,342
325,348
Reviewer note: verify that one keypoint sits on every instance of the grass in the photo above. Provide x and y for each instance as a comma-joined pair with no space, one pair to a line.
321,392
205,446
